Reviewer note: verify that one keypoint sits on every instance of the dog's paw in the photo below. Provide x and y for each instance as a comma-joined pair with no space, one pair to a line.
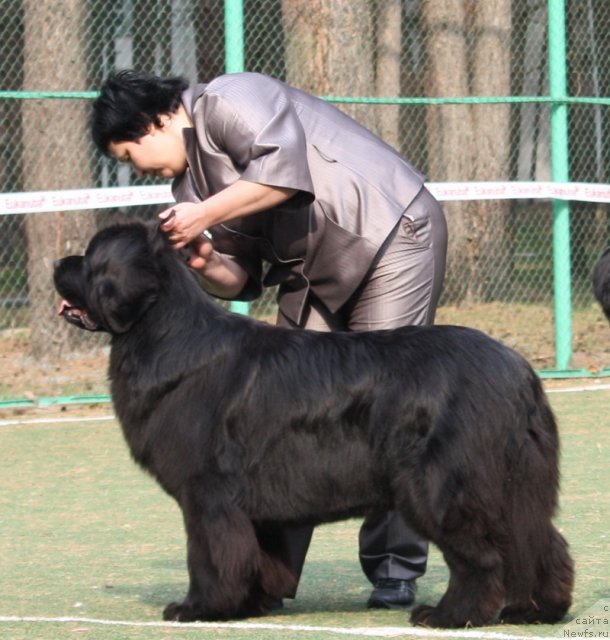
182,612
530,614
513,614
427,616
419,615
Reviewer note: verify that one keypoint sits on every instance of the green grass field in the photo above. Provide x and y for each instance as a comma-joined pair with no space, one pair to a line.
91,548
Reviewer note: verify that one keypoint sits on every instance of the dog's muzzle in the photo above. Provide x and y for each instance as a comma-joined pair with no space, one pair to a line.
76,316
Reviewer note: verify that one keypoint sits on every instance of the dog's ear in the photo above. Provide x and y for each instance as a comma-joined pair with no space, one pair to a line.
118,302
158,241
124,276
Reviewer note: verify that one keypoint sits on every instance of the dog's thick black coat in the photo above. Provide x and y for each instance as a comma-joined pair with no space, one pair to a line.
601,281
247,425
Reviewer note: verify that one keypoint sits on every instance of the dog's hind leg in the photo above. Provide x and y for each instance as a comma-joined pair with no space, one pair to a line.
553,581
475,592
223,556
539,572
281,549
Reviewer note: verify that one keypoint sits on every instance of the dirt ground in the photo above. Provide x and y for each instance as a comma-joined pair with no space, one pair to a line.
526,328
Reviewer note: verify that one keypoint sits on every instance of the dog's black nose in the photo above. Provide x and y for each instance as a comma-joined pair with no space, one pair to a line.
56,263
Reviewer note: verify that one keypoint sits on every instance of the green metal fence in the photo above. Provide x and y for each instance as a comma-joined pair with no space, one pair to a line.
506,90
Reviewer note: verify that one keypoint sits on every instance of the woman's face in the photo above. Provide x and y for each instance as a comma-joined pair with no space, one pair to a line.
160,152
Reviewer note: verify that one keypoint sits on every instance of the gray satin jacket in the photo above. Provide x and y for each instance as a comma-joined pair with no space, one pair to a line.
352,187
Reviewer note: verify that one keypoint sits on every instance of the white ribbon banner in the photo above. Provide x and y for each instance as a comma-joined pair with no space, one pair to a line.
83,199
113,197
581,191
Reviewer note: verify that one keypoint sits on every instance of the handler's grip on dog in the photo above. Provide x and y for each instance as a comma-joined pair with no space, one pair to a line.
245,425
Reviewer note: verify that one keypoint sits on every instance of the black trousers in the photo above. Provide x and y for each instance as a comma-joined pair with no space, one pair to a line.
389,548
402,288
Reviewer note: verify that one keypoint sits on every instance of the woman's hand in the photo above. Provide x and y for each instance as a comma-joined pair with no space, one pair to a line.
221,276
202,254
183,223
241,198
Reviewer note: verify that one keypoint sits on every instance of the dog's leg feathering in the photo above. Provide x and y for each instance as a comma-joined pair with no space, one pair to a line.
553,583
474,594
224,558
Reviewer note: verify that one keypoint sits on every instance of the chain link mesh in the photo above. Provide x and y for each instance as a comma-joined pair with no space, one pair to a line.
423,48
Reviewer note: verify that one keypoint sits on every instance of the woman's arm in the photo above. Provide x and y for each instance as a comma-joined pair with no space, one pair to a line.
221,276
239,199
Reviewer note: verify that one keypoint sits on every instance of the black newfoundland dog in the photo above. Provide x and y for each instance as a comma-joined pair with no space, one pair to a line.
601,281
246,425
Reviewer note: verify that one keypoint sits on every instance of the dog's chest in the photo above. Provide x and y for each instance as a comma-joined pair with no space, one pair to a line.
135,434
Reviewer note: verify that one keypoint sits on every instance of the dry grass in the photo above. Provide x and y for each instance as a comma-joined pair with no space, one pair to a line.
527,328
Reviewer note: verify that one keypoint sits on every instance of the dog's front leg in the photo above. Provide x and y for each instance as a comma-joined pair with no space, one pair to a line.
223,556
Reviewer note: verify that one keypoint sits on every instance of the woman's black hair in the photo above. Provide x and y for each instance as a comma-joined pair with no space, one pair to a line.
129,103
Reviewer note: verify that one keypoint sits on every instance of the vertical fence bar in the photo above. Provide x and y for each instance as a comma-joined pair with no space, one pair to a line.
560,173
234,63
234,36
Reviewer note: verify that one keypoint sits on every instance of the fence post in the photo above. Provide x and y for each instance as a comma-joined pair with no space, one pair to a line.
234,63
560,172
234,36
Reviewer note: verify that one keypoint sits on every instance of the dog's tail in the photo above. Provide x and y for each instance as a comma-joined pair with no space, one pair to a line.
538,570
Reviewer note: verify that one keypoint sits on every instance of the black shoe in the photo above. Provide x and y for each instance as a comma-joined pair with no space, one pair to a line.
391,593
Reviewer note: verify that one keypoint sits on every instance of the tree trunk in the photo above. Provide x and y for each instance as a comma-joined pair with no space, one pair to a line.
533,159
586,138
329,50
389,29
55,156
450,130
490,255
470,143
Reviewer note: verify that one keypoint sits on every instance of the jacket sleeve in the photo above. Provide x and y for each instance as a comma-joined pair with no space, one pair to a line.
251,119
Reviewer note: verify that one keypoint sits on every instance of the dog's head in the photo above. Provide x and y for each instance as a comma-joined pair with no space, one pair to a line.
115,282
